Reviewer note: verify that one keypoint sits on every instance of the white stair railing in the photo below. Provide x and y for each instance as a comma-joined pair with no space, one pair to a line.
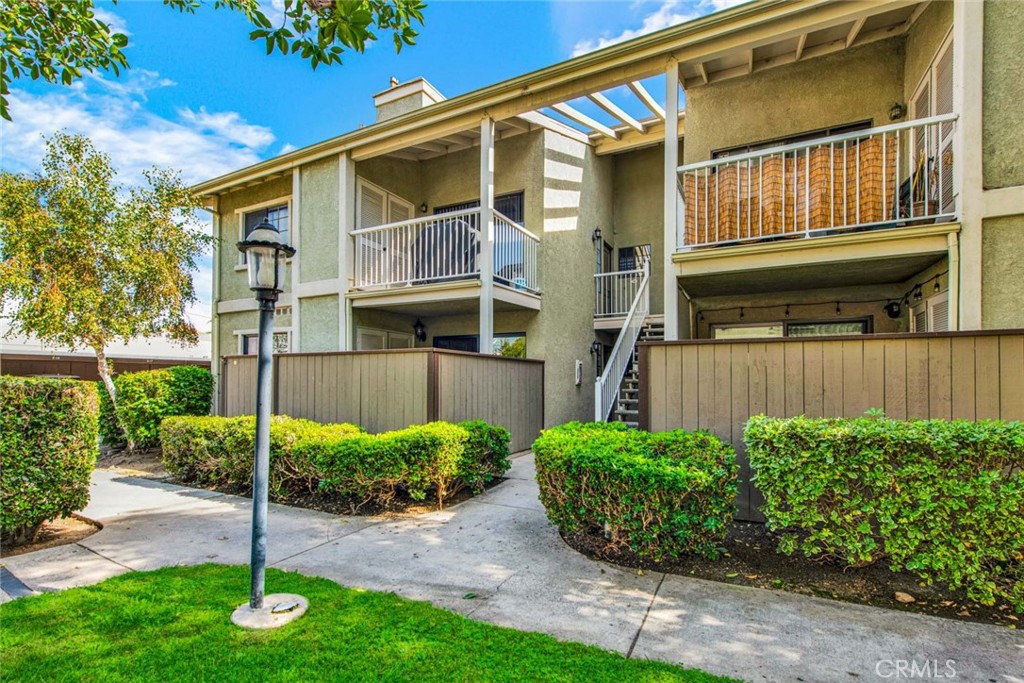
615,292
606,387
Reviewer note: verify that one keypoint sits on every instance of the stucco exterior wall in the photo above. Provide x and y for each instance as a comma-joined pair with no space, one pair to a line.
853,85
1002,284
318,221
318,322
398,176
1002,121
229,324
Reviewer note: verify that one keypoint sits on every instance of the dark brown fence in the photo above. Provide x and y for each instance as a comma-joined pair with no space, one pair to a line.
718,385
81,367
385,390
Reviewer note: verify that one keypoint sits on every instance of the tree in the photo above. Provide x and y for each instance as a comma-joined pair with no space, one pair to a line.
58,40
84,262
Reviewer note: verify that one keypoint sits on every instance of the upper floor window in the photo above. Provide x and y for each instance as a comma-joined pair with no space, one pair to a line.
275,212
510,205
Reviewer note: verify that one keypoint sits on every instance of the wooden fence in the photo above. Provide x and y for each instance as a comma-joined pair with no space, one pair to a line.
385,390
81,367
718,385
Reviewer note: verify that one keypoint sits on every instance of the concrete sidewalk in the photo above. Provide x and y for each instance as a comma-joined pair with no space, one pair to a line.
500,547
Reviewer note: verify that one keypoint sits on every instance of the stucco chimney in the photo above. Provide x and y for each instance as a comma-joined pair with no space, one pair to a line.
405,97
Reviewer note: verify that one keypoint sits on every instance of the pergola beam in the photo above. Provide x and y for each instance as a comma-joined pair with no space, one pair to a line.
801,43
614,110
641,92
584,120
703,70
855,31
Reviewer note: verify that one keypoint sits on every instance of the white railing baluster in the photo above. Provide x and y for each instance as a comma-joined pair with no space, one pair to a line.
606,387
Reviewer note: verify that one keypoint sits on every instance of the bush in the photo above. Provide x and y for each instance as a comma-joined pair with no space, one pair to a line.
941,499
437,458
218,451
661,495
48,446
145,398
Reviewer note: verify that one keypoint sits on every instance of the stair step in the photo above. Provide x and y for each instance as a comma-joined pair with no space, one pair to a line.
627,412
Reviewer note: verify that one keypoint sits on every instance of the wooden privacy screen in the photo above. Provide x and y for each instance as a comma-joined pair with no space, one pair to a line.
386,390
718,385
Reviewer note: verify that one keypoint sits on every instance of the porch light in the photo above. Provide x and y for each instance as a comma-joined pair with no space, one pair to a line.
596,237
420,329
265,254
892,309
897,112
595,347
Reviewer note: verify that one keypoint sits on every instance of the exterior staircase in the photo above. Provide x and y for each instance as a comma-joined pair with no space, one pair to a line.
627,404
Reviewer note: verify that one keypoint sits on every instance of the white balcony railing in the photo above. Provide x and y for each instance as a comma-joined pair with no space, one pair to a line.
614,292
606,387
880,177
443,248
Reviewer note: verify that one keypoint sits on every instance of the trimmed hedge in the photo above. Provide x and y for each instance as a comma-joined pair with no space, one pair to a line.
48,447
145,398
661,495
438,458
942,499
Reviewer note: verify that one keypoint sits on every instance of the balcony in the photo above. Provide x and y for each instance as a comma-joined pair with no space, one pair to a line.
615,292
879,178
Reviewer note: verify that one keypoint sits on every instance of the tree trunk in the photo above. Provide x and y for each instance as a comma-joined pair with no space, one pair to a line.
108,382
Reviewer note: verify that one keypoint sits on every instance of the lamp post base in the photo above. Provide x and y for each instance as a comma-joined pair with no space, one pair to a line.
278,609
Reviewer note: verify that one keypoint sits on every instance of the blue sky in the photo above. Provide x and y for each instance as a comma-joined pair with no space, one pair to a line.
202,98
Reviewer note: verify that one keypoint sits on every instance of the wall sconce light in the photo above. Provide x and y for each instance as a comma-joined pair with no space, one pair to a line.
420,330
897,112
892,309
423,207
595,347
596,237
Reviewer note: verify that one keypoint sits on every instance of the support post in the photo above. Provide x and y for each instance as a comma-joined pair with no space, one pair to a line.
671,198
261,461
215,365
486,235
294,226
346,247
953,280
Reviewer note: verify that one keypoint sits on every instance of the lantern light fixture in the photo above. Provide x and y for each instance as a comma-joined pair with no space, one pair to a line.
265,254
420,330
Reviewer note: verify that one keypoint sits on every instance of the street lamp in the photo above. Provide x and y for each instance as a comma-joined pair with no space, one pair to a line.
265,255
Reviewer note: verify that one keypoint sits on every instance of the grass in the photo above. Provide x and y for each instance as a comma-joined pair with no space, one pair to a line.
173,625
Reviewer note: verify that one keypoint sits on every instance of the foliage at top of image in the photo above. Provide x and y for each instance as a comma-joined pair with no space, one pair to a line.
939,498
85,261
59,41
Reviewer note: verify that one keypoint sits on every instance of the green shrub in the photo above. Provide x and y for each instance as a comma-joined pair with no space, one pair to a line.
661,495
941,499
217,451
48,446
485,457
145,398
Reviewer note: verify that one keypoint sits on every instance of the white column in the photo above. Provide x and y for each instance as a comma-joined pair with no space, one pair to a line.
671,198
953,279
215,350
296,240
486,234
968,43
346,263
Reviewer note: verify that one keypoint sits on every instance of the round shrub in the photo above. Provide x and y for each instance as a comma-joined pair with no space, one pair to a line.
48,447
145,398
661,495
939,498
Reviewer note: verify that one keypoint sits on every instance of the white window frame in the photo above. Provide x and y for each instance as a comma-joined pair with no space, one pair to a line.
240,221
240,336
386,336
389,197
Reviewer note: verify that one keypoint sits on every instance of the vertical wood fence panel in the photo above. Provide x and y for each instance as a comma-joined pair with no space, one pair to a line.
81,367
719,385
387,390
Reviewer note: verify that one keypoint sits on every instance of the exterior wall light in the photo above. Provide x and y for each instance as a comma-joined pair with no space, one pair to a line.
892,309
596,237
897,112
420,330
265,255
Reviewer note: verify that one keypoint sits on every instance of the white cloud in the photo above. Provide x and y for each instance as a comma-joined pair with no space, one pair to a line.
201,144
668,13
286,147
114,22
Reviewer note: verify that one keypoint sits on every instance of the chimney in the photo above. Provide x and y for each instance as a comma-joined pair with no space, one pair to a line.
406,97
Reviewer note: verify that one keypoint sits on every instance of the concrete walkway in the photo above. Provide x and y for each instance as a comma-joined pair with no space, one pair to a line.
500,547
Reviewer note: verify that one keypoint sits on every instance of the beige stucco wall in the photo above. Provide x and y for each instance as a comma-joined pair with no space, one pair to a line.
1002,282
853,85
1003,123
398,176
318,323
229,323
318,221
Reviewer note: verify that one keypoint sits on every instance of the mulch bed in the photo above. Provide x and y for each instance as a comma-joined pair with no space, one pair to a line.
61,531
750,559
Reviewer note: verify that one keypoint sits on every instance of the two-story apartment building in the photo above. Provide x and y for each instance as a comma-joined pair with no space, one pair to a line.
807,167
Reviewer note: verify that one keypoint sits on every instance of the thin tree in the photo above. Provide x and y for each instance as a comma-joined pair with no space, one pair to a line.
59,40
84,261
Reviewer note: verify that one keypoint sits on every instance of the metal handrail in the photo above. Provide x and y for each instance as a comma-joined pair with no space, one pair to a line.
618,361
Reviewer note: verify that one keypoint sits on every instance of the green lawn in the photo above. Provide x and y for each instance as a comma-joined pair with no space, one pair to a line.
173,625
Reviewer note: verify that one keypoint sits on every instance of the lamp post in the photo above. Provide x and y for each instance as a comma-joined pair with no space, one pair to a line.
265,255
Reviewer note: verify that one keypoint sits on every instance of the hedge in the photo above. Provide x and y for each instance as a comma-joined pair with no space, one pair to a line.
145,398
48,447
437,458
938,498
661,495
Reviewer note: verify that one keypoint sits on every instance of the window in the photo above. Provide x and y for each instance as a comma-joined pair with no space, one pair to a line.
934,97
510,205
812,328
377,206
250,343
370,339
634,258
792,139
509,345
931,315
275,212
